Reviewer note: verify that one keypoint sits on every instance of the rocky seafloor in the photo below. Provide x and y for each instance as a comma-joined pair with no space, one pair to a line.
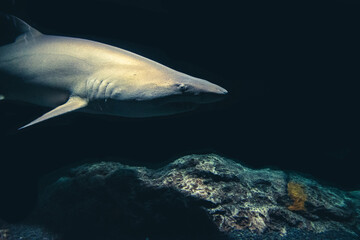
194,197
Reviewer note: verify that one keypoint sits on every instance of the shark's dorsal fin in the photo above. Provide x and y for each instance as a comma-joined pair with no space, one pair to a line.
72,104
13,29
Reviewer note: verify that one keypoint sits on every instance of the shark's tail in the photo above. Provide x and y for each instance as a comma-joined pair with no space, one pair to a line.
13,29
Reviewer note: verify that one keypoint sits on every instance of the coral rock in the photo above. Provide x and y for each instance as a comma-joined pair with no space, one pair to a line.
195,197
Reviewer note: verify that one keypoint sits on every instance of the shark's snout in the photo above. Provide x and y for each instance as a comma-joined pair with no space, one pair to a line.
207,92
212,96
219,90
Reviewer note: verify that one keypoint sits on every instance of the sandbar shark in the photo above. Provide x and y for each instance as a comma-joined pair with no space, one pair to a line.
69,74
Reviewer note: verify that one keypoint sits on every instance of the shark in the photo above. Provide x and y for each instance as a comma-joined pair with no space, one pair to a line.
71,74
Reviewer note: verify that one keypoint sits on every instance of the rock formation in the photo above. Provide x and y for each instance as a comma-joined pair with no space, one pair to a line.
195,197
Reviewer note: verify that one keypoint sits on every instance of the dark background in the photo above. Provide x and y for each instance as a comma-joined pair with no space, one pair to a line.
292,70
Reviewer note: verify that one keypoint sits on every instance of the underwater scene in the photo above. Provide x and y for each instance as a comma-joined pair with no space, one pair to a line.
179,120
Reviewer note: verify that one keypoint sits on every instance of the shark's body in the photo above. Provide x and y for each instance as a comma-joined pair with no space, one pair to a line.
76,74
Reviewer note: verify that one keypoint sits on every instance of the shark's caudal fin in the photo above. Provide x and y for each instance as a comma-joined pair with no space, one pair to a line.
72,104
13,29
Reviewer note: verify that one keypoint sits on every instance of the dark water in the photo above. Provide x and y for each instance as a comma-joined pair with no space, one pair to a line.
291,70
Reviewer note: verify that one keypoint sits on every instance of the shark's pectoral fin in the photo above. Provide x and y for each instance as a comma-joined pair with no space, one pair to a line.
2,97
72,104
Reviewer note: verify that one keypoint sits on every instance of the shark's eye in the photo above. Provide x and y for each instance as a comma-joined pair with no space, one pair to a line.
182,87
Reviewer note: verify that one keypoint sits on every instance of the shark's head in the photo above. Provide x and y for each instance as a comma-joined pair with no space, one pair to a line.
156,93
185,93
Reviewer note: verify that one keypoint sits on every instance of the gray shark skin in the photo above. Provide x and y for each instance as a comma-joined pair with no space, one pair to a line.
70,74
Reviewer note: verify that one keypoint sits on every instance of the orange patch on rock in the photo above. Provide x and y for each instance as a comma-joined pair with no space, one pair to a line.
297,193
